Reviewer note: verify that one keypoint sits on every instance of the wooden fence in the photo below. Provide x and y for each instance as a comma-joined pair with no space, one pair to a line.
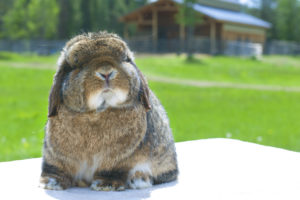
146,45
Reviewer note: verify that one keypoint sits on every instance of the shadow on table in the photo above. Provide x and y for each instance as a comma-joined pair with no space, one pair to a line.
86,193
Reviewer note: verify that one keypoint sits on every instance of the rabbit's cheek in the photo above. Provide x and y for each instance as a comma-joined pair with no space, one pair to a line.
95,100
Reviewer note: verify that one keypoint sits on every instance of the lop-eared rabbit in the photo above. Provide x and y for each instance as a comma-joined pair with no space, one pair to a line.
106,129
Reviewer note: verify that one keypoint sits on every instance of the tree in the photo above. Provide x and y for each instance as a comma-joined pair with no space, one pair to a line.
86,15
60,19
101,15
105,14
188,17
31,19
268,13
287,19
5,6
14,21
42,18
65,26
119,8
284,16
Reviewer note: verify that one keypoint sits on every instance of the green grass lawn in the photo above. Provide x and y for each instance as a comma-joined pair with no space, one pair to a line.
265,117
23,113
271,70
269,118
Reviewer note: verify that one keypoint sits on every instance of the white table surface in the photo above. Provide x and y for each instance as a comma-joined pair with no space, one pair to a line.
220,169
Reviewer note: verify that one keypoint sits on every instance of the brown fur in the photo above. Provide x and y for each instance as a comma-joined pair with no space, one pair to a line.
110,140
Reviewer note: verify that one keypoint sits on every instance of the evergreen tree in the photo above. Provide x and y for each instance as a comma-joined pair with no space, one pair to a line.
5,6
31,19
188,17
118,9
15,21
100,15
42,18
267,12
284,16
61,19
287,20
86,15
66,19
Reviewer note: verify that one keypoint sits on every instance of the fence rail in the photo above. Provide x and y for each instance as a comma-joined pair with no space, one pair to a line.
146,45
43,47
282,48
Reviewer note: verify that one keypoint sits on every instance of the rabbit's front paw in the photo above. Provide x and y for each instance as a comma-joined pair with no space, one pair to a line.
107,185
50,184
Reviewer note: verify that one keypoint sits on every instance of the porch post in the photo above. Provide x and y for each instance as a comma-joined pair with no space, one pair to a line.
126,34
182,36
212,37
154,28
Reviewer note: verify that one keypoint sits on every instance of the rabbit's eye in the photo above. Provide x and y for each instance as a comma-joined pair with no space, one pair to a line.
127,59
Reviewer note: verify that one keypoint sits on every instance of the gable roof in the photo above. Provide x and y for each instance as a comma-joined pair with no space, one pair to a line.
219,14
225,15
228,15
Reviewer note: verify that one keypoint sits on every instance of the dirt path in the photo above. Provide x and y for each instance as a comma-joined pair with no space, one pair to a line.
32,65
210,84
187,82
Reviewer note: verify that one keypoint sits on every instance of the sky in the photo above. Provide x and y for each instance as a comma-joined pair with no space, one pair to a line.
245,2
240,1
250,3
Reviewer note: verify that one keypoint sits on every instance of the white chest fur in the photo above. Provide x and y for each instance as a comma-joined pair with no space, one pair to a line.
87,169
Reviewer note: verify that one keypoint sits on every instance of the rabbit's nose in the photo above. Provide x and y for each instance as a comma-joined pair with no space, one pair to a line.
106,76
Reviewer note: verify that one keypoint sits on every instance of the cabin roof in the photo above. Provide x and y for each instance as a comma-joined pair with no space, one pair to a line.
225,15
231,16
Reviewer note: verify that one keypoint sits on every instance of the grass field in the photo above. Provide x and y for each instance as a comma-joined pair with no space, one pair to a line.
272,70
265,117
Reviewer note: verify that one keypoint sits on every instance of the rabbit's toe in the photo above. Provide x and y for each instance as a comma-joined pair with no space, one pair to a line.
107,185
50,184
139,180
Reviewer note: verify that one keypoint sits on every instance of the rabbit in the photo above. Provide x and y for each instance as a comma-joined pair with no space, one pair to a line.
106,129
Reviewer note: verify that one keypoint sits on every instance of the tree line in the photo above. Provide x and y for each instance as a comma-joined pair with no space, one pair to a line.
284,15
61,19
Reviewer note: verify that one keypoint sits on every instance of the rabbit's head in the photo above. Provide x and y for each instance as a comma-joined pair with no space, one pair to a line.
96,71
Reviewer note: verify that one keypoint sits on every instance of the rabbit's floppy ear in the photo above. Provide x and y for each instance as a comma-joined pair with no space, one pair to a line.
55,98
144,89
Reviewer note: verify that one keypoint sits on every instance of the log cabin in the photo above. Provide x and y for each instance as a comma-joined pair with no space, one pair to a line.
221,20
